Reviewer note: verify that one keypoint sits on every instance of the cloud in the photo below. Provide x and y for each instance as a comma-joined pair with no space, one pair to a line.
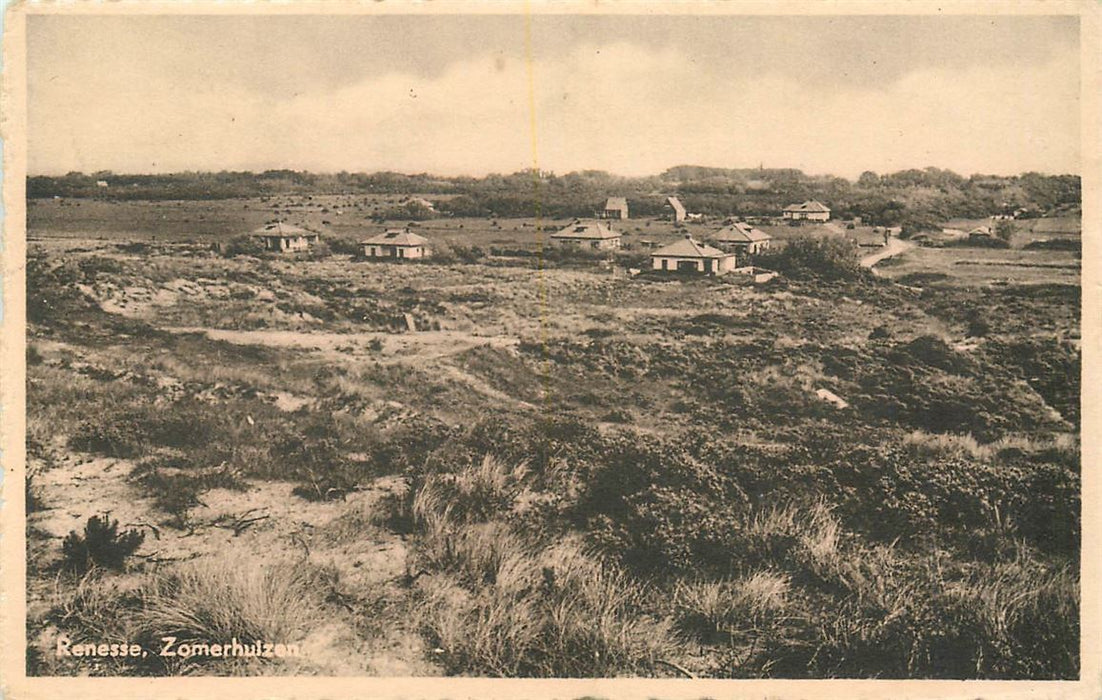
616,106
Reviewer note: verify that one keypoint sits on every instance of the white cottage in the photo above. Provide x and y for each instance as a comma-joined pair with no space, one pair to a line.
615,208
811,210
688,255
587,234
397,244
742,238
285,238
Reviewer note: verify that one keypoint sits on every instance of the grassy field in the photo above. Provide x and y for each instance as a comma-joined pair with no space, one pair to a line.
488,468
978,267
346,218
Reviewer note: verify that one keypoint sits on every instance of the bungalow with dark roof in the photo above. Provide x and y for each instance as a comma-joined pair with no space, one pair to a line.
587,234
397,243
688,255
285,238
615,208
742,238
811,210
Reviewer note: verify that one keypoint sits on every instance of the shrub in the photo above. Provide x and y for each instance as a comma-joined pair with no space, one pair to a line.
114,436
320,251
344,246
177,483
101,545
242,245
814,258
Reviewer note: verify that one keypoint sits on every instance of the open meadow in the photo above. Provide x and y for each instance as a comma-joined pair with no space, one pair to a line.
512,465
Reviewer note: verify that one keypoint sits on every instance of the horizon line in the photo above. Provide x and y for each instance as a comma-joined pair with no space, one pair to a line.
541,171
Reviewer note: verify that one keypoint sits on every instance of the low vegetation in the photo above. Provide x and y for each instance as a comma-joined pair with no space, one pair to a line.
100,545
525,466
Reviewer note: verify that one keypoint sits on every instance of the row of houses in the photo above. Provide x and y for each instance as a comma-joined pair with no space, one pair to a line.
737,236
731,244
401,244
812,210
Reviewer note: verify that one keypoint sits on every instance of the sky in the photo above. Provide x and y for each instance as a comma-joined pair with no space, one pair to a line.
633,95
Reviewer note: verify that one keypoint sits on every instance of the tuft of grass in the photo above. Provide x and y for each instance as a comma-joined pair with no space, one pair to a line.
475,492
215,599
498,602
781,535
95,608
1016,621
551,613
720,611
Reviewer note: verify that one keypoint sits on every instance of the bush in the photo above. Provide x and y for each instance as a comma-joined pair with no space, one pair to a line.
814,258
476,492
242,245
345,246
320,251
129,433
101,545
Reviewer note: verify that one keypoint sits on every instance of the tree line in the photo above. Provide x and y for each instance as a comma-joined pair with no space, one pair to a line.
913,197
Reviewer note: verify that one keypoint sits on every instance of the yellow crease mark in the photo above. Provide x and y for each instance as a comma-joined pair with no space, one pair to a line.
541,282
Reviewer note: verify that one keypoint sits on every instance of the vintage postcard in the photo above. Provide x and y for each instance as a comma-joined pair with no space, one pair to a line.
657,350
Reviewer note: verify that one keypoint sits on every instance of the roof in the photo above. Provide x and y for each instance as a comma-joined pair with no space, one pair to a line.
980,231
397,236
594,230
688,248
278,228
676,204
620,203
741,232
813,206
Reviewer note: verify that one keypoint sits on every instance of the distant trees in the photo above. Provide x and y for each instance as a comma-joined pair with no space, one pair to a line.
890,199
868,179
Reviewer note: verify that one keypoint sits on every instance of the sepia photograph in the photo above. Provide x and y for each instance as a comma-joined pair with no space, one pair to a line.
537,343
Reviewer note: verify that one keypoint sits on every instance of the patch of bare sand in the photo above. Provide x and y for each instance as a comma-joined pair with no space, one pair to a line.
367,633
391,347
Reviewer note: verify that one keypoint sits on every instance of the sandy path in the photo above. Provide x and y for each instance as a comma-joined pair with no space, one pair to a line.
895,246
